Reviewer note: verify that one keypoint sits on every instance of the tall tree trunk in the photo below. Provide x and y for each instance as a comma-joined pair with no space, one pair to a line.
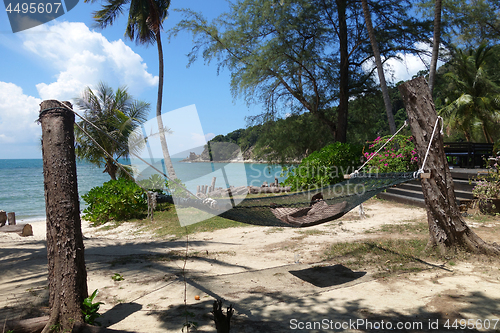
65,250
447,228
342,109
380,68
435,46
163,140
111,168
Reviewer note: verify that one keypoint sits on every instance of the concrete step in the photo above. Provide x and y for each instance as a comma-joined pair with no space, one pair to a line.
402,199
416,192
463,185
406,192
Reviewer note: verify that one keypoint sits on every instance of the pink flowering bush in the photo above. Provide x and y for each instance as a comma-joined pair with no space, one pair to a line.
399,155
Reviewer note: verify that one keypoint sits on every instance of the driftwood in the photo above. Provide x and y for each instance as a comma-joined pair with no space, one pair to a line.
224,192
272,189
222,322
32,325
12,218
20,229
3,218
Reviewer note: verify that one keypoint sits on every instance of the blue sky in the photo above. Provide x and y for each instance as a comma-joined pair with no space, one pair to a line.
57,60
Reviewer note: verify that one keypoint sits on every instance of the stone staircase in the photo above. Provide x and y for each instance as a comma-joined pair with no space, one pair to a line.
411,192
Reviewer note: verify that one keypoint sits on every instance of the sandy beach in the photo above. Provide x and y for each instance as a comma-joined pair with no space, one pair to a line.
277,279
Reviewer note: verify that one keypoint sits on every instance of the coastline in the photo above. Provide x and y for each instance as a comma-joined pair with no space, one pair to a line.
236,160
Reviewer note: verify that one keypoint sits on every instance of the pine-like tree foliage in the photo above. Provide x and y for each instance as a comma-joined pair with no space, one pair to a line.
295,56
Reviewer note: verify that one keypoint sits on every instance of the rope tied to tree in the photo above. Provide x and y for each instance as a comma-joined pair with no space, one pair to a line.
421,170
355,173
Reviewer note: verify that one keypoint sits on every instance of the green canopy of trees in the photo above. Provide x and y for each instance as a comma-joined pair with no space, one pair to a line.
299,56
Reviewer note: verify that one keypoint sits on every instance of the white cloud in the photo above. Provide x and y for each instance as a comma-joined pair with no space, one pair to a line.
83,58
396,70
209,136
18,113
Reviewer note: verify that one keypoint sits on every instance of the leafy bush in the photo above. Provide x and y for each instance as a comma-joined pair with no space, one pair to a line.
399,155
90,309
117,200
324,167
488,186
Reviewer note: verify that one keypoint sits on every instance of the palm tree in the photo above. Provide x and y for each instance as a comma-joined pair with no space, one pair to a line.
380,68
117,114
436,41
145,20
475,97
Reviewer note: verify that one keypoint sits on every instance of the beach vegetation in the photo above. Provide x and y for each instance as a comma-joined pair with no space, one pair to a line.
89,309
166,223
324,167
470,102
400,155
120,200
117,277
114,117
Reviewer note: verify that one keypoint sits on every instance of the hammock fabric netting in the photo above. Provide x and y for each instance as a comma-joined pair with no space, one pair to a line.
301,209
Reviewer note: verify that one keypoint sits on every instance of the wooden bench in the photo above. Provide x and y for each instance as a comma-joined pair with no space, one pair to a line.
467,154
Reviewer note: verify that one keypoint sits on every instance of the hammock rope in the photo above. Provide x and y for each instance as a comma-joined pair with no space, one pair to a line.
385,144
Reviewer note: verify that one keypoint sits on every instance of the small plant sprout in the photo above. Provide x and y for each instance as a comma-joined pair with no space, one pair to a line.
118,277
89,309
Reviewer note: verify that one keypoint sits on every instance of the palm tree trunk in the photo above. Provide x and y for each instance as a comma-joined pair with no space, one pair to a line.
163,141
342,109
380,69
435,47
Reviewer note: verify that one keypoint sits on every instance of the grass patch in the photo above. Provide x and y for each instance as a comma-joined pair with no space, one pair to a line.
412,227
482,218
273,230
385,256
311,232
166,223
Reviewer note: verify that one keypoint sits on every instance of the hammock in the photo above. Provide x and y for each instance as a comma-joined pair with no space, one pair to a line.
302,209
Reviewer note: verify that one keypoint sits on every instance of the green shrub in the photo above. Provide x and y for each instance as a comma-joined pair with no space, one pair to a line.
89,309
324,167
399,155
117,200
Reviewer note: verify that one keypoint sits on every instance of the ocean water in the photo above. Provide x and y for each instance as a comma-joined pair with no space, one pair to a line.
21,181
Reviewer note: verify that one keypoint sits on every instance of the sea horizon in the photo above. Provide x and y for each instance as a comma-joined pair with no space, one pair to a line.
22,192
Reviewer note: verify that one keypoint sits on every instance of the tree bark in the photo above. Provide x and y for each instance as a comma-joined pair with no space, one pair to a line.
161,130
342,109
435,46
65,250
222,322
380,68
447,228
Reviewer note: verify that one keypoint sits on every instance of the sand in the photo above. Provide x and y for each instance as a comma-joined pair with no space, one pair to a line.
276,279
